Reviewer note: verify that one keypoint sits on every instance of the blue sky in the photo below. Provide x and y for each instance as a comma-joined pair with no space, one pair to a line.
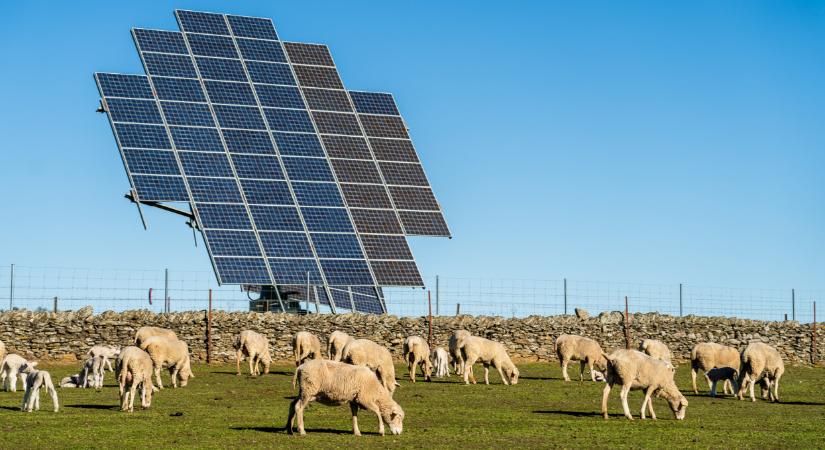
633,141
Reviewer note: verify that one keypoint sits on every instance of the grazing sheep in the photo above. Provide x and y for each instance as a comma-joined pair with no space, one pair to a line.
10,371
706,356
336,383
570,347
91,375
172,352
106,352
722,374
455,353
305,345
364,352
134,369
416,351
256,348
337,341
656,349
144,333
36,379
474,348
635,370
440,360
761,361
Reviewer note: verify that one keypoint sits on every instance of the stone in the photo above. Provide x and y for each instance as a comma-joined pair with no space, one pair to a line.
582,313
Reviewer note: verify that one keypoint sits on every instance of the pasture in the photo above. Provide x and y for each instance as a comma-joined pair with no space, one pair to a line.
221,410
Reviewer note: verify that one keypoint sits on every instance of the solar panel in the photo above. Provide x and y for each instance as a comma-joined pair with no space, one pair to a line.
288,175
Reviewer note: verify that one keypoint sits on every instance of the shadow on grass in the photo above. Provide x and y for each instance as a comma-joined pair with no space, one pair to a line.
11,408
94,407
539,378
571,413
782,402
308,430
246,374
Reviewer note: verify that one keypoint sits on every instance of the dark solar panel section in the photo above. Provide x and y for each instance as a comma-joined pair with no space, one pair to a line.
397,273
374,103
421,223
311,54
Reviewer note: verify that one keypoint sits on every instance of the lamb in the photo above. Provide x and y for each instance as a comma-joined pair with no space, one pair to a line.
656,349
416,351
440,360
35,380
106,352
707,355
305,345
337,341
134,368
635,370
570,347
336,383
144,333
256,348
475,348
364,352
10,371
458,363
726,374
761,361
172,352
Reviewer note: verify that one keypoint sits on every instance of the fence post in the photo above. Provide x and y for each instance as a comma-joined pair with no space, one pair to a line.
437,296
209,330
626,325
351,299
680,299
11,289
457,309
55,305
814,355
565,296
166,290
430,305
793,304
317,304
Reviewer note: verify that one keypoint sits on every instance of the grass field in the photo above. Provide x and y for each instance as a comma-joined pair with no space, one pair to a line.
221,410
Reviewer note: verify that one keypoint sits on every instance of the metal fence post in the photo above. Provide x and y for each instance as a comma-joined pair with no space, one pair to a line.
565,296
680,299
55,305
437,312
166,291
793,304
11,289
430,306
457,309
351,299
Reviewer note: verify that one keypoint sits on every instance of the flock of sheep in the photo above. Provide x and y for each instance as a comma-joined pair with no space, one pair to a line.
360,372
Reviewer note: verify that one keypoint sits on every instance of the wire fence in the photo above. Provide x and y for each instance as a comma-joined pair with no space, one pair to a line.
67,288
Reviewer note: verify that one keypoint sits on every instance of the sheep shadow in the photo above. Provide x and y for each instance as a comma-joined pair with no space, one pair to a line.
797,402
110,407
308,430
11,408
570,413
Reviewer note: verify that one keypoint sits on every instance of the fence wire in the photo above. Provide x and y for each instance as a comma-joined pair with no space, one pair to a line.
35,288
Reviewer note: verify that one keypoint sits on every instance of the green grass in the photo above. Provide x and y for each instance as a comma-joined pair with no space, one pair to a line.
221,410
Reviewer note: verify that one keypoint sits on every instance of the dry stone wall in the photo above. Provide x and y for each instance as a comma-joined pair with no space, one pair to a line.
68,335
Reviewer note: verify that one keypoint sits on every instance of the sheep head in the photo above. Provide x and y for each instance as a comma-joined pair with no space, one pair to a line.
394,417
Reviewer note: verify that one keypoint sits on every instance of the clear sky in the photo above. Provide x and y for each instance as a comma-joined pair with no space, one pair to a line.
633,141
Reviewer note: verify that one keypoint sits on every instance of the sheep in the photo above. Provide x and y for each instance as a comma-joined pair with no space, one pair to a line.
635,370
172,352
760,361
337,341
35,380
144,333
726,374
707,355
364,352
91,375
10,371
133,368
336,383
2,351
416,351
105,351
475,348
570,347
440,360
305,345
256,348
656,349
455,354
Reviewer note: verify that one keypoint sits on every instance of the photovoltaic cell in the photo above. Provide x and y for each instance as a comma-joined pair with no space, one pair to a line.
252,27
199,22
259,50
374,103
197,139
152,162
160,188
178,89
130,86
160,41
314,54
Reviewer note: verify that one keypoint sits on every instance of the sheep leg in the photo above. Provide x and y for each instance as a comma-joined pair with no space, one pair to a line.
501,374
564,364
157,376
623,394
644,403
486,373
354,408
412,366
693,379
752,383
707,378
108,363
727,387
713,389
299,413
36,398
253,367
776,389
468,370
132,391
290,420
174,373
238,356
650,407
581,370
24,406
374,408
605,394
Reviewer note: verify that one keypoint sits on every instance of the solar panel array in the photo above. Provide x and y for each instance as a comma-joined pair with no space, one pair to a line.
287,173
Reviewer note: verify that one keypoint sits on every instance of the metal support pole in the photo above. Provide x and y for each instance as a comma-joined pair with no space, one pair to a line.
437,297
166,290
457,309
793,304
317,304
308,290
430,305
209,330
627,337
55,305
565,296
351,299
680,299
11,289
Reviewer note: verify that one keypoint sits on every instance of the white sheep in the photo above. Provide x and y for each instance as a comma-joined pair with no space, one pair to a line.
144,333
724,374
455,353
570,347
364,352
255,347
35,380
134,369
656,349
760,361
634,370
10,371
707,355
108,353
173,353
2,351
305,345
474,348
336,383
337,341
416,351
440,359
